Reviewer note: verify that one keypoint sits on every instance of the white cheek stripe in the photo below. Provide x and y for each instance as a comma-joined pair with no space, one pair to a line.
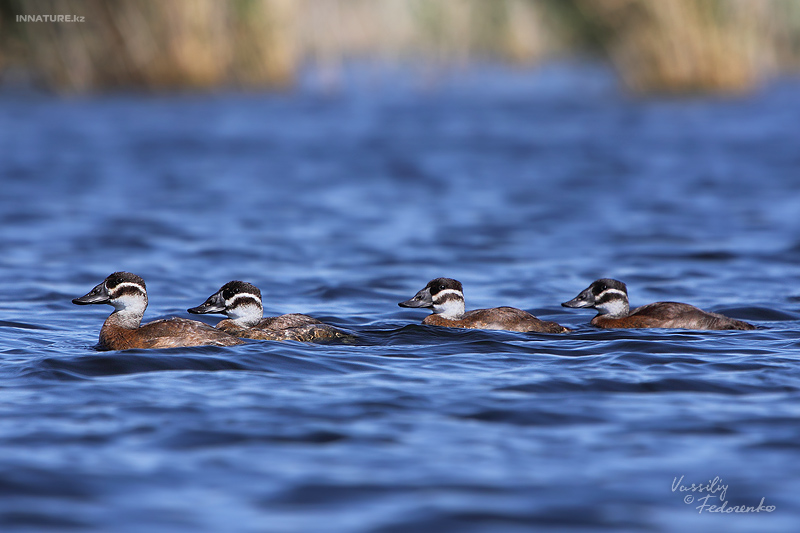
251,296
129,284
611,291
449,291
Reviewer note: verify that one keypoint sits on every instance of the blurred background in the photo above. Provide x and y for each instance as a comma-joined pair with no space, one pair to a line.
681,46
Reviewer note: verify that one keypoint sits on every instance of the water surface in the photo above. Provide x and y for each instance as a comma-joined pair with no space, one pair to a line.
525,186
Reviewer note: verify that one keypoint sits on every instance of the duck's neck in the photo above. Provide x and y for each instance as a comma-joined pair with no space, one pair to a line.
614,308
246,316
450,307
126,318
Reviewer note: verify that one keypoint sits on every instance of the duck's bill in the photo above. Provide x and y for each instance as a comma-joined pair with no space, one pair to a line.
98,295
584,299
421,299
214,304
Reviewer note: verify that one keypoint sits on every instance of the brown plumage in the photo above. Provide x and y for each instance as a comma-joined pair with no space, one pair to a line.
241,302
610,298
505,318
275,329
445,297
168,333
122,330
671,315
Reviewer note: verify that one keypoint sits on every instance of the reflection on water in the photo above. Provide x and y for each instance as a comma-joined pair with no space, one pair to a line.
524,186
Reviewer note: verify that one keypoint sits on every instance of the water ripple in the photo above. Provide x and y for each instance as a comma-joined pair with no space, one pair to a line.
342,205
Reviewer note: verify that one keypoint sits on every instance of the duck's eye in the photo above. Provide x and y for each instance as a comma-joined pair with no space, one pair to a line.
603,287
442,287
227,294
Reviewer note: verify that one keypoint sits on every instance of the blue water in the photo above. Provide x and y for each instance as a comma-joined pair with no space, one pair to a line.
525,186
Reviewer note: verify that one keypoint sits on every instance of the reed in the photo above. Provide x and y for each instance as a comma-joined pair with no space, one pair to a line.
655,45
261,43
157,44
694,45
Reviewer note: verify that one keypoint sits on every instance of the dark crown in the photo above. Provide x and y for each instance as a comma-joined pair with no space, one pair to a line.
117,278
602,285
440,284
232,288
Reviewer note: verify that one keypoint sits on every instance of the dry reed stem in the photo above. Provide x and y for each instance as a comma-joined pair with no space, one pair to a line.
655,45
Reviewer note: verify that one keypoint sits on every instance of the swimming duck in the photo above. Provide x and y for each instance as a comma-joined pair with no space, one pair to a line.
610,298
445,297
127,294
241,303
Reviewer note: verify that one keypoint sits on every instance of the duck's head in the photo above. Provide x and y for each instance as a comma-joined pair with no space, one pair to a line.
125,292
444,296
608,296
238,300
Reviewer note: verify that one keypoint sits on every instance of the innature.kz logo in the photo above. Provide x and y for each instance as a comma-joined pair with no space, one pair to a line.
50,18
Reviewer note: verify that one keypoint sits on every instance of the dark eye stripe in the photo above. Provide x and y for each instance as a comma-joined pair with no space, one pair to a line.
610,295
448,296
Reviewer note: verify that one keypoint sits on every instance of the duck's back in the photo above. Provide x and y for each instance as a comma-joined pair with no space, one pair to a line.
166,333
310,333
499,318
671,315
292,320
292,327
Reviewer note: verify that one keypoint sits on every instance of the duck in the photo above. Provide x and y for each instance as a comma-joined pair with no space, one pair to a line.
123,329
241,302
445,297
610,298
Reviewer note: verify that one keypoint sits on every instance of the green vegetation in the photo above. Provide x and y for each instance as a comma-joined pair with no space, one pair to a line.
655,45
